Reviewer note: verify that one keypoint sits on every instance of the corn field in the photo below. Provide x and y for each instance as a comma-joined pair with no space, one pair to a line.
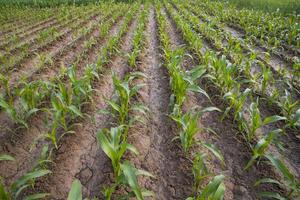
166,100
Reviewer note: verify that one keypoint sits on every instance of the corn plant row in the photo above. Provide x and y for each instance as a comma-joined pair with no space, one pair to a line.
59,15
248,41
274,30
290,72
138,38
263,78
67,101
114,142
18,188
104,30
42,34
11,92
221,74
16,37
31,94
181,83
14,15
45,38
29,18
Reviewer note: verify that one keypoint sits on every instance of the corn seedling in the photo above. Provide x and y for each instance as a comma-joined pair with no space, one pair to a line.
188,124
124,92
236,101
261,147
289,180
256,122
214,190
75,191
129,178
114,146
12,112
288,105
18,187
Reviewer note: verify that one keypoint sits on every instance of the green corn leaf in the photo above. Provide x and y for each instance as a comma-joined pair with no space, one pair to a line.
115,106
280,166
3,194
76,191
219,194
30,176
37,196
273,119
75,110
6,158
131,177
105,145
296,116
266,180
196,88
132,148
251,161
271,195
212,148
212,188
144,173
147,193
210,109
190,198
141,108
197,72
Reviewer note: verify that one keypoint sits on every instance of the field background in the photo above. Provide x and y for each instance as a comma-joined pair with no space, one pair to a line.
285,6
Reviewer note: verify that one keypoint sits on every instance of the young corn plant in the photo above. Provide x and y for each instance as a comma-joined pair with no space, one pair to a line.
63,109
114,146
236,101
261,147
17,188
267,78
4,80
188,124
138,39
214,190
124,92
289,180
184,81
288,105
129,179
251,125
81,87
31,96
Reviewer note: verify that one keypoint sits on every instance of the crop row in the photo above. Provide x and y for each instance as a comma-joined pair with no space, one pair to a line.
67,101
224,75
